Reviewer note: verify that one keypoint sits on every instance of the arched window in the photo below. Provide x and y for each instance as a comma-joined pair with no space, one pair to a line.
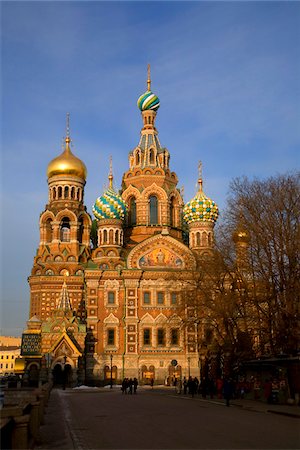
73,192
172,213
132,212
153,207
49,230
111,237
198,243
151,156
105,237
59,192
65,230
66,194
80,231
137,158
54,193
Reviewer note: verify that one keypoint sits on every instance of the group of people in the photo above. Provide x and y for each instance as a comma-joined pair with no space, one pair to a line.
191,385
129,386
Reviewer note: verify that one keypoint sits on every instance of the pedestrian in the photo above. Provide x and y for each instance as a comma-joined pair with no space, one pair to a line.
135,385
124,386
151,383
130,385
219,387
185,383
228,390
179,386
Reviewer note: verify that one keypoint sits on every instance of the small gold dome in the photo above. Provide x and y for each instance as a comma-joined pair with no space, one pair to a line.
67,164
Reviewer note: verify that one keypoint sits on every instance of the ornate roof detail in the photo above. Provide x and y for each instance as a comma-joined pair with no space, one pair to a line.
201,208
110,205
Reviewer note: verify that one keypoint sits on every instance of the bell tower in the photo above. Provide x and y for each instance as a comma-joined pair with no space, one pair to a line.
64,245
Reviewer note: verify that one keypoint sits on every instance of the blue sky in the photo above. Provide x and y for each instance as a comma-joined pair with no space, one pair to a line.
227,75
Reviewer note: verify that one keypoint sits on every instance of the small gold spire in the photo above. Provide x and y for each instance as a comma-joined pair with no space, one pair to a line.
149,79
110,176
68,125
68,139
200,182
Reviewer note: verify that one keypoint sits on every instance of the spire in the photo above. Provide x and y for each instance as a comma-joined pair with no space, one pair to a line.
148,79
110,176
68,139
200,181
64,299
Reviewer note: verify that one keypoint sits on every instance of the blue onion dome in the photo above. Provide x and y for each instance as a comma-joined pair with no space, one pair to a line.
109,206
201,208
147,101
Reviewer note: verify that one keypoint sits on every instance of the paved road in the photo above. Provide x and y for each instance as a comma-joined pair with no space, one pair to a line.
81,419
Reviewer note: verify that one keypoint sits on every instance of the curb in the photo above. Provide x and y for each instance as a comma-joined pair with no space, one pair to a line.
295,416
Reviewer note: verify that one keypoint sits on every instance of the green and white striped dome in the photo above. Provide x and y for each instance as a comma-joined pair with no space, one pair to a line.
147,101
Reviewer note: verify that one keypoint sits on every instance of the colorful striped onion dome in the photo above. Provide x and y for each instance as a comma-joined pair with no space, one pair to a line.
201,208
147,101
109,206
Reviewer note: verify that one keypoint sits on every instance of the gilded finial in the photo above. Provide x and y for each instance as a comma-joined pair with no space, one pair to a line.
200,182
68,125
110,176
148,79
68,139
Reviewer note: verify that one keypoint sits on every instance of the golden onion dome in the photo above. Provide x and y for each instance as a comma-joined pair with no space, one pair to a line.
67,164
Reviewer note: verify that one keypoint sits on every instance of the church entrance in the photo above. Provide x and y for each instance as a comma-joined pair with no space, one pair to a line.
62,376
33,376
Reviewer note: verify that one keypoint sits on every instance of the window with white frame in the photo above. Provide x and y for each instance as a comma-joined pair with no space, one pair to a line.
111,297
111,336
146,298
160,298
161,336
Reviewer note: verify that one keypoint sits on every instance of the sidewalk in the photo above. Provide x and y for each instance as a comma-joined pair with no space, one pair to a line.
250,405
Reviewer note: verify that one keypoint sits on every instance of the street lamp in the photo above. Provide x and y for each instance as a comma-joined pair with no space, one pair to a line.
111,379
189,365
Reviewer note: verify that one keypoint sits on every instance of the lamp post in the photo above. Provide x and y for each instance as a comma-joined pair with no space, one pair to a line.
111,379
189,365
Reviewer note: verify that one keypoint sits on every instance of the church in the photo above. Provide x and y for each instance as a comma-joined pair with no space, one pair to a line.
107,292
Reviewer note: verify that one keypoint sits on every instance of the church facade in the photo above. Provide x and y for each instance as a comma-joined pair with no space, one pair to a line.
107,296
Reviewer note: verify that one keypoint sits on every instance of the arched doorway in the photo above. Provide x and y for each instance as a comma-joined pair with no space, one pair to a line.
33,375
108,373
147,374
62,375
175,374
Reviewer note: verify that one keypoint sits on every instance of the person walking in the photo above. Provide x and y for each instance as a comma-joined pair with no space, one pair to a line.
185,385
228,390
151,383
135,385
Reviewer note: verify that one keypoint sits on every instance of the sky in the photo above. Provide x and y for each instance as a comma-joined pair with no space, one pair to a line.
227,75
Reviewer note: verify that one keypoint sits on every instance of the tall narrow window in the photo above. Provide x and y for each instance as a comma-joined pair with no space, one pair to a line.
147,337
153,205
111,297
110,336
172,213
48,230
132,211
173,298
146,298
151,155
160,298
174,336
160,336
65,230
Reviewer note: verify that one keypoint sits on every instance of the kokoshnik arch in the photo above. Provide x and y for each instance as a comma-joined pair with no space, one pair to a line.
115,306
